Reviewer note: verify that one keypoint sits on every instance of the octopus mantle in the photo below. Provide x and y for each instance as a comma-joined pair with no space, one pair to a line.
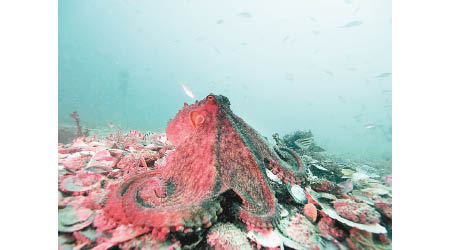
216,151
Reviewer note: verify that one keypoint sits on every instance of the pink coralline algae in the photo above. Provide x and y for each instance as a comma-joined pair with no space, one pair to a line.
356,212
385,208
326,186
327,227
302,231
227,237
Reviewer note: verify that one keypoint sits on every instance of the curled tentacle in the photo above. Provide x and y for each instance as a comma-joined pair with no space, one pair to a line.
149,201
286,173
300,166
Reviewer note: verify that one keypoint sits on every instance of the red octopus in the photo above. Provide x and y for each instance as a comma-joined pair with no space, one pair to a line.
216,151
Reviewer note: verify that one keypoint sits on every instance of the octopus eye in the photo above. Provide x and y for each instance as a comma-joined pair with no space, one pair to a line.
211,99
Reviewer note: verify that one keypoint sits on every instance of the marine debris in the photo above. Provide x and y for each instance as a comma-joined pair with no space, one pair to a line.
198,187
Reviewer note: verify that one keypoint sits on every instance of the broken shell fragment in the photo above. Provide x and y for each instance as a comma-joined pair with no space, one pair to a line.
268,239
273,177
319,167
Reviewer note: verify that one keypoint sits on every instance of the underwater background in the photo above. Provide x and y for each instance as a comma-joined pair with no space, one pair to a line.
322,65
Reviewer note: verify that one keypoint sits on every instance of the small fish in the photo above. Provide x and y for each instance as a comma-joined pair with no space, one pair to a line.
244,14
329,72
356,10
382,75
187,91
342,99
369,126
316,51
316,32
352,69
217,51
352,24
111,125
220,21
244,44
286,38
312,19
348,1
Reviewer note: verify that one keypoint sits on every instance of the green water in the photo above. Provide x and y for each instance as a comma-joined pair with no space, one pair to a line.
284,65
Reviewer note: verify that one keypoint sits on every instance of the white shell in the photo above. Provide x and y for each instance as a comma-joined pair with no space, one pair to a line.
319,167
272,176
283,212
269,239
298,194
84,152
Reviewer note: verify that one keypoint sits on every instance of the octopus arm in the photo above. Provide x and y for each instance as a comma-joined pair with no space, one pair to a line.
176,197
243,171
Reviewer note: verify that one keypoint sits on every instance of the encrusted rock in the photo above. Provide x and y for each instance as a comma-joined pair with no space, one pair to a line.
226,236
356,212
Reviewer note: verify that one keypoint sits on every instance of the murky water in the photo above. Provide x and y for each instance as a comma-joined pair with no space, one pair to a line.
323,66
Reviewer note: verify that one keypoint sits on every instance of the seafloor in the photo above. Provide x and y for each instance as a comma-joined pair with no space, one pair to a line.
347,203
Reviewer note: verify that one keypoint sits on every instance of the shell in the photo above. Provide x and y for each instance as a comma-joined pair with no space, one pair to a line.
375,228
273,177
297,194
227,236
269,239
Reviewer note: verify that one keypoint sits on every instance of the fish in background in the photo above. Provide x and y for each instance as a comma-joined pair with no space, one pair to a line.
383,75
244,14
187,91
111,125
352,24
312,19
329,72
341,99
217,51
369,126
220,21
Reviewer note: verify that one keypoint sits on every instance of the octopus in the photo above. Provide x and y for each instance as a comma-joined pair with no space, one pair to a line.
216,152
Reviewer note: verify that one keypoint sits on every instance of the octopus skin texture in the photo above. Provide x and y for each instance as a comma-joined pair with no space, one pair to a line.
216,151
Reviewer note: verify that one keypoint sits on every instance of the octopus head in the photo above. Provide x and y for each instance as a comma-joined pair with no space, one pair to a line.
196,118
